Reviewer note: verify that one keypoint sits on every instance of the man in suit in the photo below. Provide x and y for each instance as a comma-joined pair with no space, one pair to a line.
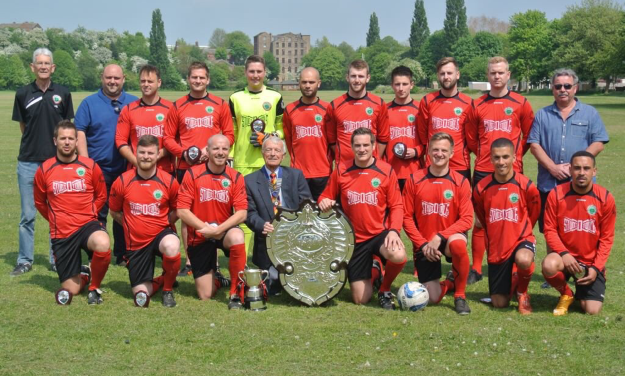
267,189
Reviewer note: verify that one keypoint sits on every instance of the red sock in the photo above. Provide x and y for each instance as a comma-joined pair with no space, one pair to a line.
157,283
392,271
446,286
375,272
525,276
99,266
558,282
84,279
238,258
460,264
478,248
170,271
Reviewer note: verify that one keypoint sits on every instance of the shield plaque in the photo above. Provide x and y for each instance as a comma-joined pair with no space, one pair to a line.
311,249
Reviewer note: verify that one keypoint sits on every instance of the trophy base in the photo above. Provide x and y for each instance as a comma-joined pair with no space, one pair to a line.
255,303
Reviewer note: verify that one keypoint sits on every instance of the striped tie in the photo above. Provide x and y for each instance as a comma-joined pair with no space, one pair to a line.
275,192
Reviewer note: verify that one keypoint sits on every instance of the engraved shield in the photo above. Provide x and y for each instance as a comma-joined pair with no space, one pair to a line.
311,250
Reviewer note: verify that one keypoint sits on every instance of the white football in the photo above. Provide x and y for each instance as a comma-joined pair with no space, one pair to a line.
412,296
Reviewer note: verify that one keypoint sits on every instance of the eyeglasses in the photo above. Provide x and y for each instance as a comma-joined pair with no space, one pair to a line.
566,86
117,106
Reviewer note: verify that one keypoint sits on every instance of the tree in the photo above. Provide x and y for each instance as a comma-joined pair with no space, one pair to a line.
240,46
221,53
455,24
88,68
159,55
271,65
530,45
415,67
348,52
219,76
330,66
218,39
377,68
133,45
66,72
474,70
419,30
433,50
490,24
12,72
373,35
482,43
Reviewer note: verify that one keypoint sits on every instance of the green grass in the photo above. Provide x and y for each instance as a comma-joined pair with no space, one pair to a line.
39,337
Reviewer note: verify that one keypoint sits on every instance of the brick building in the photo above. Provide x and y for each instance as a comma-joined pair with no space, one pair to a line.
288,48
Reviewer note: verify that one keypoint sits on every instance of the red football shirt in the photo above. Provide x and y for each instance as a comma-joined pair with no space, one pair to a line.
508,212
346,114
436,205
69,195
145,203
304,134
490,118
138,119
402,120
191,122
438,113
583,225
213,198
369,197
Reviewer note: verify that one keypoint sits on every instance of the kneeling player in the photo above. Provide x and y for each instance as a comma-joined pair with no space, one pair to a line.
579,228
212,203
507,203
69,192
437,215
143,201
370,197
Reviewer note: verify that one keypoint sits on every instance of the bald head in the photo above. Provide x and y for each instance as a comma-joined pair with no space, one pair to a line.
309,83
218,138
113,81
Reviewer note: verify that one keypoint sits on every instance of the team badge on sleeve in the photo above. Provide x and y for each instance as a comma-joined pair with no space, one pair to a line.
591,209
375,182
209,109
448,194
160,117
158,194
56,99
80,171
369,111
508,111
514,198
458,111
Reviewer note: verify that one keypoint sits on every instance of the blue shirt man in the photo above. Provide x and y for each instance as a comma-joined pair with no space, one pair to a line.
96,122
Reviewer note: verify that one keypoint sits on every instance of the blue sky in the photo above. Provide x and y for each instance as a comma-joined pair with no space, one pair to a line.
195,20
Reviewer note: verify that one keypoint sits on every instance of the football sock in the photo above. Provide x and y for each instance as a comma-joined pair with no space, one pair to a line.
157,283
238,258
375,272
525,276
478,248
460,265
391,272
99,266
558,282
446,285
170,271
84,279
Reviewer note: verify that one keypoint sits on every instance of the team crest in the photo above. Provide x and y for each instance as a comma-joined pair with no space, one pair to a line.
225,183
448,194
266,106
318,118
56,99
592,209
458,111
369,111
158,194
375,182
411,118
508,111
160,117
209,109
514,198
80,171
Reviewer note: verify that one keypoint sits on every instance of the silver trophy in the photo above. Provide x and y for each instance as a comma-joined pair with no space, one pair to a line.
400,150
581,274
142,299
258,125
194,154
63,297
254,297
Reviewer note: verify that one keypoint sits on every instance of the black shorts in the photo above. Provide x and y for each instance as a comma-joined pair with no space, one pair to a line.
180,175
402,184
203,257
140,263
479,175
67,251
428,270
594,291
359,267
541,218
500,275
316,186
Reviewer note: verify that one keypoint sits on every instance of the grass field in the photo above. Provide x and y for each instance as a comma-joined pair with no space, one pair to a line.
39,337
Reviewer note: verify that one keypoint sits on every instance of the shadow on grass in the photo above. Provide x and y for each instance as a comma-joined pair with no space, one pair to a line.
48,281
10,259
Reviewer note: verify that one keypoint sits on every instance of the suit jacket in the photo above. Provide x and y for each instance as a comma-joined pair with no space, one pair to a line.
260,208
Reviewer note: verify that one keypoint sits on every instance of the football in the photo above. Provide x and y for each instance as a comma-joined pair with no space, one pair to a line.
412,296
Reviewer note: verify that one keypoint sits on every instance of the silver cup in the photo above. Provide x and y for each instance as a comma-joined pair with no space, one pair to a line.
254,297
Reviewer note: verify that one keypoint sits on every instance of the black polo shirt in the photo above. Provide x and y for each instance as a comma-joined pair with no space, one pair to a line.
41,112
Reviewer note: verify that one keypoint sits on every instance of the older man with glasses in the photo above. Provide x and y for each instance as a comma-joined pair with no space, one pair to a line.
96,121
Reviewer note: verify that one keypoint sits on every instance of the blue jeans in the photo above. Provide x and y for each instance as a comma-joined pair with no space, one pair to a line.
25,179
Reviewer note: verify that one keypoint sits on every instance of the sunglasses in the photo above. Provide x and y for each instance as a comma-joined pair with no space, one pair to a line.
566,86
117,106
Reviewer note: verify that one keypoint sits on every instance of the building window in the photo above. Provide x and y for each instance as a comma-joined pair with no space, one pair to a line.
289,40
289,44
289,61
289,52
289,69
302,51
295,60
282,60
295,52
295,45
282,44
283,69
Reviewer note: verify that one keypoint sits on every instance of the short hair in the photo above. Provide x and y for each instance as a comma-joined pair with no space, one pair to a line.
358,64
254,59
42,51
565,72
198,65
445,61
502,142
442,136
363,131
148,140
274,139
401,70
497,60
64,124
150,69
584,153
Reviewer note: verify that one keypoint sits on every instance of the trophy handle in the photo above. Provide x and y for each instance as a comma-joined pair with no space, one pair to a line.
241,278
266,274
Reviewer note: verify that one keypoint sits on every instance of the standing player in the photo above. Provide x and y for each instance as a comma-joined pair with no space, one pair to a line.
437,215
143,200
500,113
145,116
403,150
304,133
508,204
69,192
579,228
356,109
192,120
369,194
212,203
